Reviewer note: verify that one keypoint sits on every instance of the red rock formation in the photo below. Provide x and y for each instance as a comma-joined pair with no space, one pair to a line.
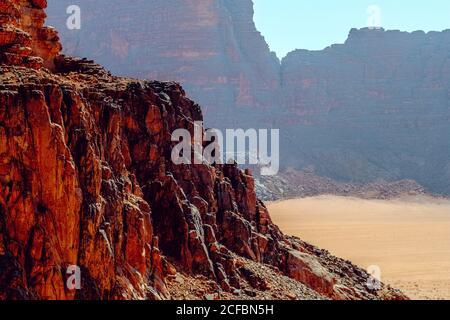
23,37
384,96
86,179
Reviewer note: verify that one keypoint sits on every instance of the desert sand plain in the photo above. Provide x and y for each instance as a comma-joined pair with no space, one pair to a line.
407,238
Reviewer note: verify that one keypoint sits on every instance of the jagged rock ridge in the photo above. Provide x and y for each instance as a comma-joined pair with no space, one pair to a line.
23,37
212,47
86,180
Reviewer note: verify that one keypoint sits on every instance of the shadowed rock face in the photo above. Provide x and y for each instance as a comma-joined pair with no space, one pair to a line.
373,108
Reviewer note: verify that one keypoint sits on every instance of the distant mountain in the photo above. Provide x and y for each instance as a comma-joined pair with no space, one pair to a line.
376,107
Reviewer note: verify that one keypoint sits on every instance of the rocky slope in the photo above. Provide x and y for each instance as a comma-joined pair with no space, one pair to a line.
292,184
86,179
376,107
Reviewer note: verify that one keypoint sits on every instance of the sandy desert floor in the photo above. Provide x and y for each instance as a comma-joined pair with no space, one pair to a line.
408,239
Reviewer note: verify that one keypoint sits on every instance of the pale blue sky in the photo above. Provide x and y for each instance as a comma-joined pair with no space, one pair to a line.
316,24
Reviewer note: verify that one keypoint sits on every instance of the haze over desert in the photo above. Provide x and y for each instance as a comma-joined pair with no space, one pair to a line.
408,238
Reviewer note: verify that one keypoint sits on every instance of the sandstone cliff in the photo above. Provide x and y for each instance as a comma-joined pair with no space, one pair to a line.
376,107
86,180
211,47
23,37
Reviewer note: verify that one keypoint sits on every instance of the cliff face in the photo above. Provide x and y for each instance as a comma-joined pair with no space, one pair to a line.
23,37
87,181
373,108
384,96
211,47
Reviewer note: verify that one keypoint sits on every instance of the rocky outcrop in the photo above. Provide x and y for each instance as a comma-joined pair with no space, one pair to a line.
356,113
87,183
86,180
24,39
